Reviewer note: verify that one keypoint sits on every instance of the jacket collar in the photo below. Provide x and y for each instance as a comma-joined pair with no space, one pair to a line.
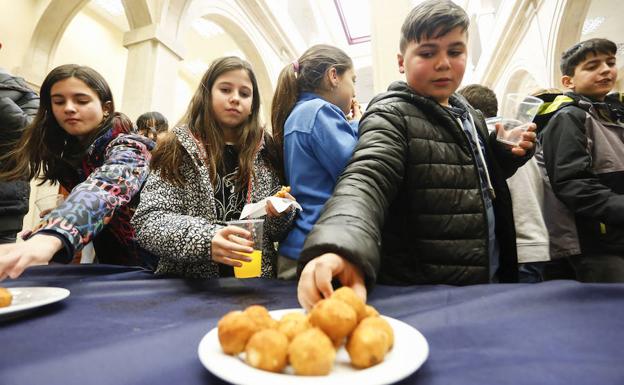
402,90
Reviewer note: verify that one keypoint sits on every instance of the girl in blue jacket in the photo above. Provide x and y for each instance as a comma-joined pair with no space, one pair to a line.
314,118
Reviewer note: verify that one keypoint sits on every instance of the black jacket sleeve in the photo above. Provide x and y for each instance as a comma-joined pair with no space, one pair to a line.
569,167
351,222
18,106
508,162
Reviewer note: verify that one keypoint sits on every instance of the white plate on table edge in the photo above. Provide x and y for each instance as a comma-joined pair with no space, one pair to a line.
25,298
409,352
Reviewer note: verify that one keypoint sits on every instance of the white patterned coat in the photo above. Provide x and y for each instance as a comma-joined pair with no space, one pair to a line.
178,223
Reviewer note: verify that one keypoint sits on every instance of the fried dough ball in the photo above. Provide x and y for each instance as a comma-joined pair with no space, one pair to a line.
267,350
335,318
260,315
367,346
282,192
371,311
292,324
381,324
311,353
5,297
235,329
346,294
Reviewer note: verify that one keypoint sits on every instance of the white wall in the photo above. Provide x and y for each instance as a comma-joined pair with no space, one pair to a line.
92,41
520,51
17,22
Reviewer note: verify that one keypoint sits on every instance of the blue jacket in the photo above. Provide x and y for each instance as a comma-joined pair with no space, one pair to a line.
318,143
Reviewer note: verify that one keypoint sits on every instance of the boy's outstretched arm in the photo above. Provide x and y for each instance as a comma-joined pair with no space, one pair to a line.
350,225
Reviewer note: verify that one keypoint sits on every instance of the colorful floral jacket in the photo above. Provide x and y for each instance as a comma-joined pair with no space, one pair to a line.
178,223
104,194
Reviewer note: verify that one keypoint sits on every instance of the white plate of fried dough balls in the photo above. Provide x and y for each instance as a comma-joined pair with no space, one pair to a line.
17,300
340,341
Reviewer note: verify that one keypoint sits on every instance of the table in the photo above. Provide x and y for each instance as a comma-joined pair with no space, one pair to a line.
125,326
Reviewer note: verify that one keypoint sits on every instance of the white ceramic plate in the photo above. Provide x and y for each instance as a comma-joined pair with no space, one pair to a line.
409,352
26,298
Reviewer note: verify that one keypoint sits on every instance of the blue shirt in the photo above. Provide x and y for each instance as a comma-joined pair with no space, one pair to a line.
493,248
318,143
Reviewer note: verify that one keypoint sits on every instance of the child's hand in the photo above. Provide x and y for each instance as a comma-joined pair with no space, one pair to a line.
315,282
38,250
228,242
527,141
356,110
271,211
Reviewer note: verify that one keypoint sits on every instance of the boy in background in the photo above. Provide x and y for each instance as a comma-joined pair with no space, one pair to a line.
527,192
481,98
583,149
424,198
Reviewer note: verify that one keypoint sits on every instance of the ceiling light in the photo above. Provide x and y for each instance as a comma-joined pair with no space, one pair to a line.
592,24
114,7
206,28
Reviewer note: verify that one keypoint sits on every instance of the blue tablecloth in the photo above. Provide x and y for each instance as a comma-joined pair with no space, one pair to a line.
125,326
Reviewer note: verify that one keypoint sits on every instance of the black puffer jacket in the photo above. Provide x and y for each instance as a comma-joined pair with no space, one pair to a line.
408,208
583,148
18,105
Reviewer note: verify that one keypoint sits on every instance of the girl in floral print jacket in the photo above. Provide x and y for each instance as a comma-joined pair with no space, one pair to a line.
78,141
203,172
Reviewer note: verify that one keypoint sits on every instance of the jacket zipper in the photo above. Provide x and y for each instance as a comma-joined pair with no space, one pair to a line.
476,166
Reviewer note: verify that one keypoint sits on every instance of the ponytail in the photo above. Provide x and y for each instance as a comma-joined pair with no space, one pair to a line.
284,100
303,75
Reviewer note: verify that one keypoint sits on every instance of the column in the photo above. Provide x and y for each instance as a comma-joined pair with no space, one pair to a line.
385,35
151,71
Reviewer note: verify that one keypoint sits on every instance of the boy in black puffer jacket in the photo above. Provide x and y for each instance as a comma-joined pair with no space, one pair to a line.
18,106
583,150
424,198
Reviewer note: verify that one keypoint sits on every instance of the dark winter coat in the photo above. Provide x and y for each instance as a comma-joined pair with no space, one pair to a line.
409,208
18,106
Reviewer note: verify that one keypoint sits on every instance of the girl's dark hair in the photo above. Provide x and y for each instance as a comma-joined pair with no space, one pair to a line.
200,120
45,149
306,74
576,54
150,124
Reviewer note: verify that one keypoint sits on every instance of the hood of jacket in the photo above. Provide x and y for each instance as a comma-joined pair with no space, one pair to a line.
554,102
97,149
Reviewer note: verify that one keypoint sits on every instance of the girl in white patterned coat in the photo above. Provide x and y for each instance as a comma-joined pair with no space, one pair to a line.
204,172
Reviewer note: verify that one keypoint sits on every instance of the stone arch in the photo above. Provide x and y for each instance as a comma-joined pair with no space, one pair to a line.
565,31
520,81
137,13
52,25
46,37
